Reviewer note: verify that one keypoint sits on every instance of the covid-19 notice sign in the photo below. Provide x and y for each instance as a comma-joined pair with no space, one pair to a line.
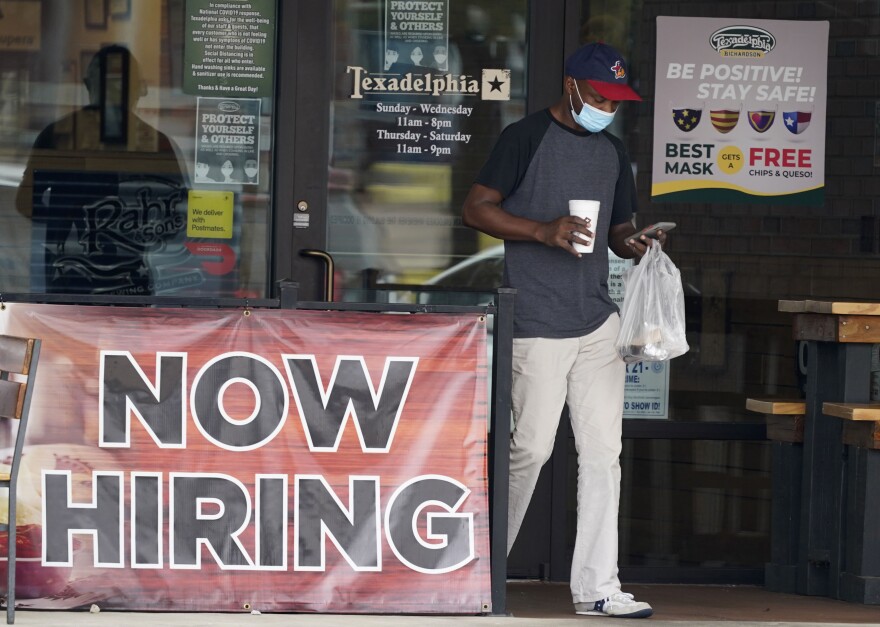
230,48
740,111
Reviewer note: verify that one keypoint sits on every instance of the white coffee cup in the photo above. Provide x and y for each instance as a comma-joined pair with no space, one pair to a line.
588,210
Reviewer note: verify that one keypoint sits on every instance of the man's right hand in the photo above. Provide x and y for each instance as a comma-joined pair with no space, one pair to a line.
563,232
482,211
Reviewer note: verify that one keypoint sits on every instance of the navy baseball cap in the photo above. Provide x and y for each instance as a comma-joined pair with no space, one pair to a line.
604,69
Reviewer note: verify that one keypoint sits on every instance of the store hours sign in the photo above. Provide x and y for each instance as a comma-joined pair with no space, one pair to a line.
423,111
423,98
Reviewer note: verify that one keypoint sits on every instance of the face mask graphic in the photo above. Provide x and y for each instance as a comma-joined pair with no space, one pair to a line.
761,120
590,118
724,120
686,118
797,121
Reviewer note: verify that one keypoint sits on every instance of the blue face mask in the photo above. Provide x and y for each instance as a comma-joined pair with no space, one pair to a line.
591,118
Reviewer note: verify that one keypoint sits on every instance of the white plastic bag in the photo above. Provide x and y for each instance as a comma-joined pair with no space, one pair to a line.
652,324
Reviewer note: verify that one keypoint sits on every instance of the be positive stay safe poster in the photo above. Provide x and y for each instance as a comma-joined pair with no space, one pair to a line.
740,111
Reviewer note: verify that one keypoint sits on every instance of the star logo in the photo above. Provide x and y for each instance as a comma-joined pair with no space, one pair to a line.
496,85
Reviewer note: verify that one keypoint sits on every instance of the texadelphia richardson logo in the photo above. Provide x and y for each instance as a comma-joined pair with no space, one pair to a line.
742,41
494,84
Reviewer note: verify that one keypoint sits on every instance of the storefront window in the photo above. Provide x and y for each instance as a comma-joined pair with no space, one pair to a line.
420,100
695,503
135,147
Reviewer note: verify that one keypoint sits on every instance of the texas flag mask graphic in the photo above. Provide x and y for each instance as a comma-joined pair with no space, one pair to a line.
797,121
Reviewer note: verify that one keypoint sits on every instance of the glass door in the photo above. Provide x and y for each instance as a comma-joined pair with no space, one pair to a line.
136,147
417,94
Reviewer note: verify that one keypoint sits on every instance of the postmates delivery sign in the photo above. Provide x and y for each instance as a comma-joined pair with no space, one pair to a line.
739,113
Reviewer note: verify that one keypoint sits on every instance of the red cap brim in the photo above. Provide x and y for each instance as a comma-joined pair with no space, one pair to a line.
614,91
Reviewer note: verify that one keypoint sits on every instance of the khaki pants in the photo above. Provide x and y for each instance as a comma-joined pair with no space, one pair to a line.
585,373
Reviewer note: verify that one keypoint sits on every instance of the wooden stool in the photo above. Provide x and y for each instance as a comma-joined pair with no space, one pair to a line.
861,426
784,418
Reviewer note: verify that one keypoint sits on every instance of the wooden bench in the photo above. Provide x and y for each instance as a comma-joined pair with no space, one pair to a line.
861,426
784,417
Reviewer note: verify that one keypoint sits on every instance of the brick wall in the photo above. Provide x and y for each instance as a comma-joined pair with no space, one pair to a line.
743,258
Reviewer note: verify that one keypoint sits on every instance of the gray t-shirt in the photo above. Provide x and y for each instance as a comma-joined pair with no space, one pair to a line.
538,165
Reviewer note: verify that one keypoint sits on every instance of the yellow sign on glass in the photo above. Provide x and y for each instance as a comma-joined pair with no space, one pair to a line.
209,214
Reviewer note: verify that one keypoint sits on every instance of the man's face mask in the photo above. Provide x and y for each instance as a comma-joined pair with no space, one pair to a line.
590,118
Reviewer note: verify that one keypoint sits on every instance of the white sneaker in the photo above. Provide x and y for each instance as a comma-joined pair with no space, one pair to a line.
619,604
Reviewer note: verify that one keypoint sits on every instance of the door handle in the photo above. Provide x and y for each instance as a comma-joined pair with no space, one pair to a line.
329,269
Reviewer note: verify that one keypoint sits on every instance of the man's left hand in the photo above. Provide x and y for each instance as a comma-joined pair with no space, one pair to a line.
640,246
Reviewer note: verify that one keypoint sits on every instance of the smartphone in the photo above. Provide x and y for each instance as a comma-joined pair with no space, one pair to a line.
651,231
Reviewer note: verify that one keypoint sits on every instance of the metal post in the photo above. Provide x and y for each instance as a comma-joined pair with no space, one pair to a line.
499,446
850,579
821,471
837,372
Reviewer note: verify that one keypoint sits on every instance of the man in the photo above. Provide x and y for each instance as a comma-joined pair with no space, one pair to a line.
105,191
565,324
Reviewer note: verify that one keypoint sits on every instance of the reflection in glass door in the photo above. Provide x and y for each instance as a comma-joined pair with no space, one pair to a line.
419,99
135,148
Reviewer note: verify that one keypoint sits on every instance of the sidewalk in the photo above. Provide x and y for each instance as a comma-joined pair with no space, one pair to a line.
210,620
692,605
532,604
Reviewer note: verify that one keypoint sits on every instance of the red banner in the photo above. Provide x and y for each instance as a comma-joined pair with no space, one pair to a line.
222,460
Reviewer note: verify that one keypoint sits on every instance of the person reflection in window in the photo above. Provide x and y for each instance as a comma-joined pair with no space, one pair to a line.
105,191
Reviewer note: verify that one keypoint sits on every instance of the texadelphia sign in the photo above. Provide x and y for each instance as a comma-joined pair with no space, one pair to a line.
276,460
